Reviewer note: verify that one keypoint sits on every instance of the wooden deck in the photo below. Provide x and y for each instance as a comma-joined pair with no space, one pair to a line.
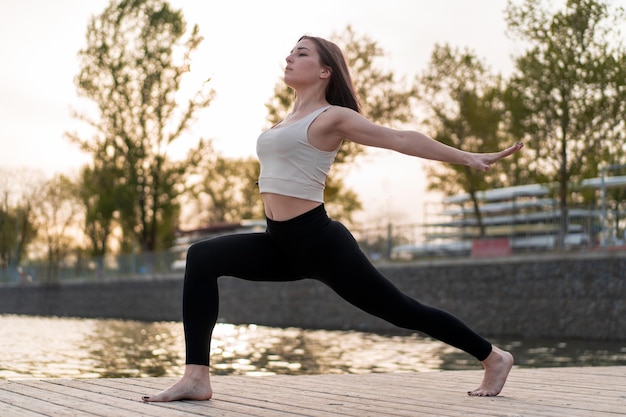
570,392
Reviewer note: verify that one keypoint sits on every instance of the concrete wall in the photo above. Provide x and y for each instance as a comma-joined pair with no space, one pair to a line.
574,296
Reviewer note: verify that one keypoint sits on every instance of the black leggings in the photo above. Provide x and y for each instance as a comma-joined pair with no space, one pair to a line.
308,246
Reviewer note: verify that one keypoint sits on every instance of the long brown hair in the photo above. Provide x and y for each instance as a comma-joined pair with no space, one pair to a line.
340,91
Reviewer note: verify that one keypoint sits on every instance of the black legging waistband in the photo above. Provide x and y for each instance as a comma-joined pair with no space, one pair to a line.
311,220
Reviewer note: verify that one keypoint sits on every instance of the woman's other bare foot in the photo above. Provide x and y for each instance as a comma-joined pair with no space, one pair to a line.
194,385
497,367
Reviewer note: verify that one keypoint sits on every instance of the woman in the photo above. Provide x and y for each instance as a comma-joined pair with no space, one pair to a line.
301,241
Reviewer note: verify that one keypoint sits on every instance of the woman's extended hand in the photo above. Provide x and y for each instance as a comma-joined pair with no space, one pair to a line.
482,161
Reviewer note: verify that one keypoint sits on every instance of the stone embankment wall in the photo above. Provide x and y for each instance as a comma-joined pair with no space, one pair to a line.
570,296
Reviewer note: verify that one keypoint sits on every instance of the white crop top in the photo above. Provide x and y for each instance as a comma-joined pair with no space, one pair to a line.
290,165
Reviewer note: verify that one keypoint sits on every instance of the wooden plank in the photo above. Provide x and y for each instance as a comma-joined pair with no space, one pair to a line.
436,393
99,399
38,402
250,391
217,406
547,392
58,400
12,404
327,403
416,398
543,390
357,395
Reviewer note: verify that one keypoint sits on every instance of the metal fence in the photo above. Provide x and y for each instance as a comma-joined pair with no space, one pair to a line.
390,243
110,267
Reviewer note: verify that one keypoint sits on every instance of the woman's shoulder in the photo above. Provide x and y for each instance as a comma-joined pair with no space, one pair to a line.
333,115
335,123
339,116
339,113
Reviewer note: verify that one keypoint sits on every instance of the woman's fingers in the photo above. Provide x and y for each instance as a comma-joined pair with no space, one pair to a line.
507,152
511,150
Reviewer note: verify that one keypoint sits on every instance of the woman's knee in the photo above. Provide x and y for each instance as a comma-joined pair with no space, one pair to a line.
194,251
202,252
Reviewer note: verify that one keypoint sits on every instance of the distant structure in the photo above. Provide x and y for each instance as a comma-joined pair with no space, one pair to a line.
185,238
515,219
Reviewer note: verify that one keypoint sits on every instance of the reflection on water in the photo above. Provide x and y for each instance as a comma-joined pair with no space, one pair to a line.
44,347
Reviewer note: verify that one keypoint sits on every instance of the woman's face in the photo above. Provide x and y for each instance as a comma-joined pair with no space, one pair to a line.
303,65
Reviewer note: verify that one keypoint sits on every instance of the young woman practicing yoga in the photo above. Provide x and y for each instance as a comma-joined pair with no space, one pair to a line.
301,241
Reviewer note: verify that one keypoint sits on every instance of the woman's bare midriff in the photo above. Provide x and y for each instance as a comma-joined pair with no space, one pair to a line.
281,207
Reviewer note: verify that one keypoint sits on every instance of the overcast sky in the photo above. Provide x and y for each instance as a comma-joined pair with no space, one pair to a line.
243,53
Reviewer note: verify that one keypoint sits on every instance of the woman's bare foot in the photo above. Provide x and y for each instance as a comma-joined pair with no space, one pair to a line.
194,385
497,367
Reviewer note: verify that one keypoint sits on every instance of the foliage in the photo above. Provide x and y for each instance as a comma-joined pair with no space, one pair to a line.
465,110
8,237
568,95
131,68
17,222
100,207
225,190
57,211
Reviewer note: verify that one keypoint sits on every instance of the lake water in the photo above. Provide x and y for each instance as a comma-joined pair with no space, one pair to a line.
52,347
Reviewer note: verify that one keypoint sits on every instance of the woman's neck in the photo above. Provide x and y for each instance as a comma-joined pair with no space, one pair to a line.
309,100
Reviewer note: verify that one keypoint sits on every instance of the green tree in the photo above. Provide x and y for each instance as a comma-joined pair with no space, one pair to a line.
382,101
100,207
226,191
17,224
16,232
58,213
8,237
465,110
136,56
568,94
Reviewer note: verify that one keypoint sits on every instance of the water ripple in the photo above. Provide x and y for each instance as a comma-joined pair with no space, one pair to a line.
54,347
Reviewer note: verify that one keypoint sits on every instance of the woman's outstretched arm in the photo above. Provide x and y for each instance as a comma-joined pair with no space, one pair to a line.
352,126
